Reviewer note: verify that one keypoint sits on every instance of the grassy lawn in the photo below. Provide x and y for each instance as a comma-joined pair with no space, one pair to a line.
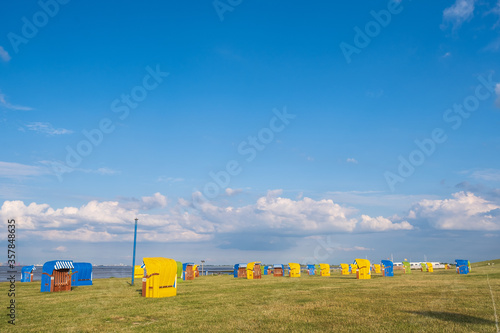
442,301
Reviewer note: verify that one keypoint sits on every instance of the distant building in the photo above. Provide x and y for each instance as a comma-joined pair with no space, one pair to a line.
416,264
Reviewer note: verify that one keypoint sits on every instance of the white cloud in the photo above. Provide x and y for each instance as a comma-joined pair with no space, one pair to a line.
102,221
352,160
459,12
382,224
493,46
350,249
303,216
7,105
99,171
4,55
491,175
274,213
61,249
17,170
157,200
271,215
170,179
465,211
51,166
106,171
231,192
83,234
495,11
377,199
47,128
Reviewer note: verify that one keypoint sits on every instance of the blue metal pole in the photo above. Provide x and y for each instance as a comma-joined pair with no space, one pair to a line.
133,258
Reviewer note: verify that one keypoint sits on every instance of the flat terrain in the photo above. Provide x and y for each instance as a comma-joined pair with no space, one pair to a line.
442,301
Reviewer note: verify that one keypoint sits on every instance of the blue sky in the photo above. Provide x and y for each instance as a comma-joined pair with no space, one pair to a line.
240,131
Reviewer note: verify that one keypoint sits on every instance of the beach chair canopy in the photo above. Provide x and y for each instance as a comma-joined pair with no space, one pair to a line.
179,269
278,266
49,267
240,270
251,273
186,264
324,269
251,265
363,268
138,272
82,274
387,263
294,269
388,267
161,276
28,269
26,273
407,266
463,266
362,263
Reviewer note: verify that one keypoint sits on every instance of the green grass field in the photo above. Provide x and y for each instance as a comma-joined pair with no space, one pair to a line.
442,301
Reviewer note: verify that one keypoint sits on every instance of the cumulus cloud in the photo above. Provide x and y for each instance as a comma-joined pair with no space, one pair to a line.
4,55
352,160
465,211
271,216
60,249
277,214
459,12
47,128
157,200
382,224
98,221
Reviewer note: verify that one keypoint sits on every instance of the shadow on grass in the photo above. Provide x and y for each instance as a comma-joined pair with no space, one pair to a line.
454,317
